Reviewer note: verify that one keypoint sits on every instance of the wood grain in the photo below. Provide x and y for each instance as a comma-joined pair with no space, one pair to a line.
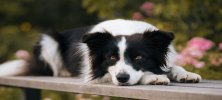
206,90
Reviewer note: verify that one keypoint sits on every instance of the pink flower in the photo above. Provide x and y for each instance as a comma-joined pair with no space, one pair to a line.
220,46
181,60
194,52
184,59
214,62
137,16
197,64
200,43
147,8
22,54
220,59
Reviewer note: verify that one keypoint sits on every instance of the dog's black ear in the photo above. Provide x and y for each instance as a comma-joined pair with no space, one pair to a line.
160,39
96,39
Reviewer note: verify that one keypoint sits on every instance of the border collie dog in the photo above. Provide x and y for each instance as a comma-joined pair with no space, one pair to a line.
123,52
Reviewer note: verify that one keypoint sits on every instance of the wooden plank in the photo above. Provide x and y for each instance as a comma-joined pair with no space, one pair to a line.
203,84
213,81
175,91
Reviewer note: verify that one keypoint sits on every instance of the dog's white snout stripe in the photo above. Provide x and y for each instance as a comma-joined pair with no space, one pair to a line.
121,63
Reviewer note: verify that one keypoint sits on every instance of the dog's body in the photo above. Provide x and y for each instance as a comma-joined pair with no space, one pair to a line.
120,51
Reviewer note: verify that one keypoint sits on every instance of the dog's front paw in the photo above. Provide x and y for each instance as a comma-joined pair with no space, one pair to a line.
187,77
155,80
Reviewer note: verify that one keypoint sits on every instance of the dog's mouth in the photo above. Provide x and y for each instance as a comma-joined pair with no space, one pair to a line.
123,84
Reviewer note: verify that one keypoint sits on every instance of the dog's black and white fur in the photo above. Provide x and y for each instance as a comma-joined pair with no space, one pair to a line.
123,52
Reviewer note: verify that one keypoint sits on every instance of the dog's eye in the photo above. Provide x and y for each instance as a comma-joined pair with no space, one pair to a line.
138,58
113,58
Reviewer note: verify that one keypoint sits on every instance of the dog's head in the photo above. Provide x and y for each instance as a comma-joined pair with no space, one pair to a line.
126,56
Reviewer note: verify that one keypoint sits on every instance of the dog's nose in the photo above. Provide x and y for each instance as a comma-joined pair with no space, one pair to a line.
122,77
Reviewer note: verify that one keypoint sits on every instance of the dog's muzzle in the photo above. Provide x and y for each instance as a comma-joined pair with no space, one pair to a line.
123,77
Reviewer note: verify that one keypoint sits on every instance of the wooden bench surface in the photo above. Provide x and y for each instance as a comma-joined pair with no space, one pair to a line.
206,90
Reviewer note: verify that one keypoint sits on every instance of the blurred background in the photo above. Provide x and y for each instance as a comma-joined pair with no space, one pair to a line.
197,25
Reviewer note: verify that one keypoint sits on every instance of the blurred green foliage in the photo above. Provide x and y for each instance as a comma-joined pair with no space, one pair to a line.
186,17
7,93
44,14
21,21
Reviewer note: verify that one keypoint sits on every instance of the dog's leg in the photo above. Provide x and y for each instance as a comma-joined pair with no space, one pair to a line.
179,74
153,79
13,68
50,53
